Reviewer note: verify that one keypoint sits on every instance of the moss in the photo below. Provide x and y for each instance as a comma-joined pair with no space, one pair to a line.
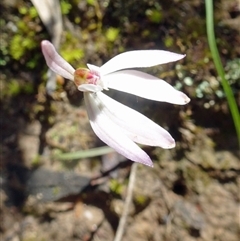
116,187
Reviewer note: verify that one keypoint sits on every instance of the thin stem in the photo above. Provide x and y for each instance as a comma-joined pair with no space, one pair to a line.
218,64
123,220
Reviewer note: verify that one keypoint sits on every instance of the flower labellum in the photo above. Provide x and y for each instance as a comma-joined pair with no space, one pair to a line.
119,126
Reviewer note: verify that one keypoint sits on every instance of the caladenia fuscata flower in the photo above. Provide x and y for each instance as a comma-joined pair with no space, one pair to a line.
119,126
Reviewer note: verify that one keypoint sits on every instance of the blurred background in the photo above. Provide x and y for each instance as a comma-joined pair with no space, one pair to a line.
51,189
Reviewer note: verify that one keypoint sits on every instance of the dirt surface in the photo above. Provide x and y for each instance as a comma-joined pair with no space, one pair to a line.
191,193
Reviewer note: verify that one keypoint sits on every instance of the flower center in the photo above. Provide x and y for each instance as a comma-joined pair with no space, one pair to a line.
85,76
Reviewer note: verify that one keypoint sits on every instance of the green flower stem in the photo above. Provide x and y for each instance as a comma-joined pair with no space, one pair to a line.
99,151
218,64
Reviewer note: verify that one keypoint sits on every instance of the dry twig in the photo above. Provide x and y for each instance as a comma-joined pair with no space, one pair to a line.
123,220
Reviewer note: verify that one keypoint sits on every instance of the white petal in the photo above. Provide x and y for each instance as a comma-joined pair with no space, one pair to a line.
94,69
138,59
55,62
90,87
136,126
110,133
144,85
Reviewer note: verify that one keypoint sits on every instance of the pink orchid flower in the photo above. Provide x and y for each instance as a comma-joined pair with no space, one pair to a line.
114,123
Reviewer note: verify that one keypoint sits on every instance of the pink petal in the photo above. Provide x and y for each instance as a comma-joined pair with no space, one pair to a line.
138,59
144,85
55,62
136,126
110,133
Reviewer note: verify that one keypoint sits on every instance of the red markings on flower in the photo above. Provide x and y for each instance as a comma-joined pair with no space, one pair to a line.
84,76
